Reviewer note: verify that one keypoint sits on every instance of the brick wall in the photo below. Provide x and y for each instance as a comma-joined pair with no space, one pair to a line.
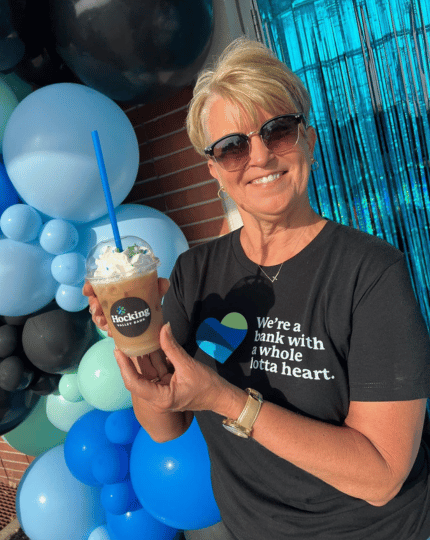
172,178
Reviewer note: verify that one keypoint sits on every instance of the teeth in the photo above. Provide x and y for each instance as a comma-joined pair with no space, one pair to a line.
266,179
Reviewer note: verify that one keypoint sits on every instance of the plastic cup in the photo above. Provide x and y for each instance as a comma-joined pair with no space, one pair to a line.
130,299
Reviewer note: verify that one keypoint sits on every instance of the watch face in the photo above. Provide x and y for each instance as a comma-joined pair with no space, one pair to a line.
236,430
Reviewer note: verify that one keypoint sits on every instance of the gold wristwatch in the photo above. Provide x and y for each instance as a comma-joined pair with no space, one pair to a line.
243,425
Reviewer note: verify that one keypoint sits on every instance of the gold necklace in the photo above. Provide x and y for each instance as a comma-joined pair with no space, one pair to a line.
275,277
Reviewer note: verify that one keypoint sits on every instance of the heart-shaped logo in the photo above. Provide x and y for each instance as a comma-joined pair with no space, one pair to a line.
220,339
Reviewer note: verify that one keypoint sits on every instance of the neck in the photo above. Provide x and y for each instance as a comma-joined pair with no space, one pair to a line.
270,243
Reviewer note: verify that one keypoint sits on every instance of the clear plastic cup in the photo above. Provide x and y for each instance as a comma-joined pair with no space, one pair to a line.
130,298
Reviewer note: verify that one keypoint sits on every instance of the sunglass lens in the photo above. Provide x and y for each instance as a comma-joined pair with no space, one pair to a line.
232,152
281,134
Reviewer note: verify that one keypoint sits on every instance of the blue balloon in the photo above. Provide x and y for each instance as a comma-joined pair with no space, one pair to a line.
172,479
86,441
162,234
122,426
119,498
53,505
70,297
8,194
100,533
138,524
49,154
21,222
26,282
69,268
112,465
58,236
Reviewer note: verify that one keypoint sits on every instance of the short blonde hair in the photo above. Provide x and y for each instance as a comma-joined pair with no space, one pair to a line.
247,74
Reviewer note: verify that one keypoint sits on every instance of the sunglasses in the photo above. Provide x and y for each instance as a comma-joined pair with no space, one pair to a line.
279,134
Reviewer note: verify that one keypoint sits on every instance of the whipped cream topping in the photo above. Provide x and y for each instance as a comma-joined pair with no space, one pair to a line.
112,263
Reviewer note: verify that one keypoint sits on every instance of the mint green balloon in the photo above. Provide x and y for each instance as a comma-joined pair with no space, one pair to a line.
36,434
20,88
8,102
62,413
69,389
99,378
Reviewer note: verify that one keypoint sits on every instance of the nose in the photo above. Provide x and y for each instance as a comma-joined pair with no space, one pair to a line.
259,154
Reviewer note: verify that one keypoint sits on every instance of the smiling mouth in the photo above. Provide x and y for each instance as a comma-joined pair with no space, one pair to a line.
267,179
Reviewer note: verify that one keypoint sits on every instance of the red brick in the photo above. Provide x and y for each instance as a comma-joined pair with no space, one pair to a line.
209,229
197,213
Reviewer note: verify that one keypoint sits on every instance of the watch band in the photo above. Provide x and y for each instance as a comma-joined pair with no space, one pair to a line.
244,424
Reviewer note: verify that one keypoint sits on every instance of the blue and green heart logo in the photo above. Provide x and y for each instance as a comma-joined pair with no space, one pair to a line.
220,339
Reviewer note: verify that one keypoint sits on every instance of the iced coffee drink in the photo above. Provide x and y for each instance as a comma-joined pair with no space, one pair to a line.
126,285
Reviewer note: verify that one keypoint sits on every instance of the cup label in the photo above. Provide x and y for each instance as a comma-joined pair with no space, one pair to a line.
131,316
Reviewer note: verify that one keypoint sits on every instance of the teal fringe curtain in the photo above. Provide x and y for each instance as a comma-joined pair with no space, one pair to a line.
366,64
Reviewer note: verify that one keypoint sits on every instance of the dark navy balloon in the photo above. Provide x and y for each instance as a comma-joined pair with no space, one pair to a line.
133,50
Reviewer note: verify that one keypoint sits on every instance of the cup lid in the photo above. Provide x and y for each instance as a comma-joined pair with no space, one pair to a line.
102,262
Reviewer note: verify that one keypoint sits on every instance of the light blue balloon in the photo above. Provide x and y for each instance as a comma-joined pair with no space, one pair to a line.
21,222
161,232
99,378
62,413
50,157
101,533
53,504
58,236
69,268
69,389
70,297
26,282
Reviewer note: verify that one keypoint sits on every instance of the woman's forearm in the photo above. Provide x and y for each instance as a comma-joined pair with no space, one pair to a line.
161,427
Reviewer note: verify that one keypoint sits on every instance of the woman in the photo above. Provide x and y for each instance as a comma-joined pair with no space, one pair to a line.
318,319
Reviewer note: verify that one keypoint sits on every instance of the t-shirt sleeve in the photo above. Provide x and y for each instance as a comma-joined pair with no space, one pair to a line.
389,355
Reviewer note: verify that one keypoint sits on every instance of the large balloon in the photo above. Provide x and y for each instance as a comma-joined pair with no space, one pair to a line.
53,505
172,479
99,378
132,50
36,434
15,407
26,282
161,232
55,341
49,154
63,413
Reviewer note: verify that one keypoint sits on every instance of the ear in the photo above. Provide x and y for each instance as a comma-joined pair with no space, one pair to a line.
311,137
213,170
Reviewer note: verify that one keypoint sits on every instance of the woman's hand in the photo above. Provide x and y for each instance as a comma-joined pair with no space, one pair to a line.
191,387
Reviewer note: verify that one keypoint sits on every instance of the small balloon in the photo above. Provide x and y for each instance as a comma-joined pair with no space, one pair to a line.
119,498
62,413
99,378
100,533
69,388
111,465
70,298
21,222
44,384
122,426
14,374
58,236
131,524
8,340
69,268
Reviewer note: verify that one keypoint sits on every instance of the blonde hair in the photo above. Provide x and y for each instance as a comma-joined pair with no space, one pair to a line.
247,74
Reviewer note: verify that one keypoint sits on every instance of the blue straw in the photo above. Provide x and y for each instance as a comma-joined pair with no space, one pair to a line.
106,189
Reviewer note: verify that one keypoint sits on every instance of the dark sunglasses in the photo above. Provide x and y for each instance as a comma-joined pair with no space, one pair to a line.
279,134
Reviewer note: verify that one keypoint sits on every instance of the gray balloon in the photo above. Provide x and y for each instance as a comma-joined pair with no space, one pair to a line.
8,340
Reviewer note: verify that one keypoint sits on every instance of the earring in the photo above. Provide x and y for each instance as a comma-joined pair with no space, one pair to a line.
314,165
221,190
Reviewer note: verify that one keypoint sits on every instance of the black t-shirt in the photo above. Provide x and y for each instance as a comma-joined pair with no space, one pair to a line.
339,324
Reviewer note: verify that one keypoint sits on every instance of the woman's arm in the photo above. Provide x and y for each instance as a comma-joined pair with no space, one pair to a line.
369,457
